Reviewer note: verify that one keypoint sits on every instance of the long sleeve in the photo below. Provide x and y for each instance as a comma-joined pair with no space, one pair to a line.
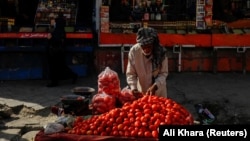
131,71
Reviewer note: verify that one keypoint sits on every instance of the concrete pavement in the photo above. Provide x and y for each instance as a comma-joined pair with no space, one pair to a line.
225,94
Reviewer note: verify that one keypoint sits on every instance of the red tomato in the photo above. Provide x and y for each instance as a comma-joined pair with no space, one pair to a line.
121,133
95,132
147,116
156,115
130,128
100,129
147,134
130,115
146,106
126,104
137,123
177,115
153,127
103,124
78,131
134,133
144,99
126,122
162,123
157,122
125,128
143,119
138,113
89,132
143,129
106,117
109,123
134,105
115,133
104,133
144,124
161,117
83,132
113,113
140,134
112,120
131,119
119,120
92,127
108,129
153,119
123,114
189,119
147,111
155,134
120,127
97,122
78,119
114,128
127,134
155,107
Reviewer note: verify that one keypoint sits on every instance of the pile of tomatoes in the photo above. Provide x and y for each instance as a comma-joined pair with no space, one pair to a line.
141,118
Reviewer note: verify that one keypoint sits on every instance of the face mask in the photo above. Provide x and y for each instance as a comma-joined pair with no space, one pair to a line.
147,50
147,54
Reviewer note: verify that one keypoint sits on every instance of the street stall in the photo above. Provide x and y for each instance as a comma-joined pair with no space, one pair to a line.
19,43
114,113
196,37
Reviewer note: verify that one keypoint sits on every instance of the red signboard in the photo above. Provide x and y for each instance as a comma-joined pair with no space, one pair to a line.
44,35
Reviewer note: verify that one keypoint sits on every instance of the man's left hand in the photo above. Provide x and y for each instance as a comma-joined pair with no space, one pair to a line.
152,89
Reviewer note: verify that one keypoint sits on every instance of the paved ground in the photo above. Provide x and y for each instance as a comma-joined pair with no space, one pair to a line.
225,94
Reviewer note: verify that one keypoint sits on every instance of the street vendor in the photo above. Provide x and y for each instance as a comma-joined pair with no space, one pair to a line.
147,68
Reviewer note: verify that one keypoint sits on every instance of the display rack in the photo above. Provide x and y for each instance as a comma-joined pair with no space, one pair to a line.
48,9
204,14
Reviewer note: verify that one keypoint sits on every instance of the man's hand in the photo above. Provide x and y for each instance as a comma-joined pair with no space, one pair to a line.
49,36
152,89
136,93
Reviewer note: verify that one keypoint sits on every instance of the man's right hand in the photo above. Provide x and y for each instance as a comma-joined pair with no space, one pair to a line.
137,94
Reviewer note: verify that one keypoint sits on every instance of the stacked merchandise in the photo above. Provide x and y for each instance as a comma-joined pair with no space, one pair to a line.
204,12
104,15
48,9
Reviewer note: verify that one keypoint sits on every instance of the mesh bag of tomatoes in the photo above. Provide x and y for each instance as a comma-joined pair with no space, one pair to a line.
126,95
108,82
141,118
103,103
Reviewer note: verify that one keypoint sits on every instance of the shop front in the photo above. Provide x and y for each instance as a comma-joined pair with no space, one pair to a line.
23,41
198,37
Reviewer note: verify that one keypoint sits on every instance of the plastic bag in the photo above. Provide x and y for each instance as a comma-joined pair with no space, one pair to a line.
66,120
109,82
51,128
103,103
126,95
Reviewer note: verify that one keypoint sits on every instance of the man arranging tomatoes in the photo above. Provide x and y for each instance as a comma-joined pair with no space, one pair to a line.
147,67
